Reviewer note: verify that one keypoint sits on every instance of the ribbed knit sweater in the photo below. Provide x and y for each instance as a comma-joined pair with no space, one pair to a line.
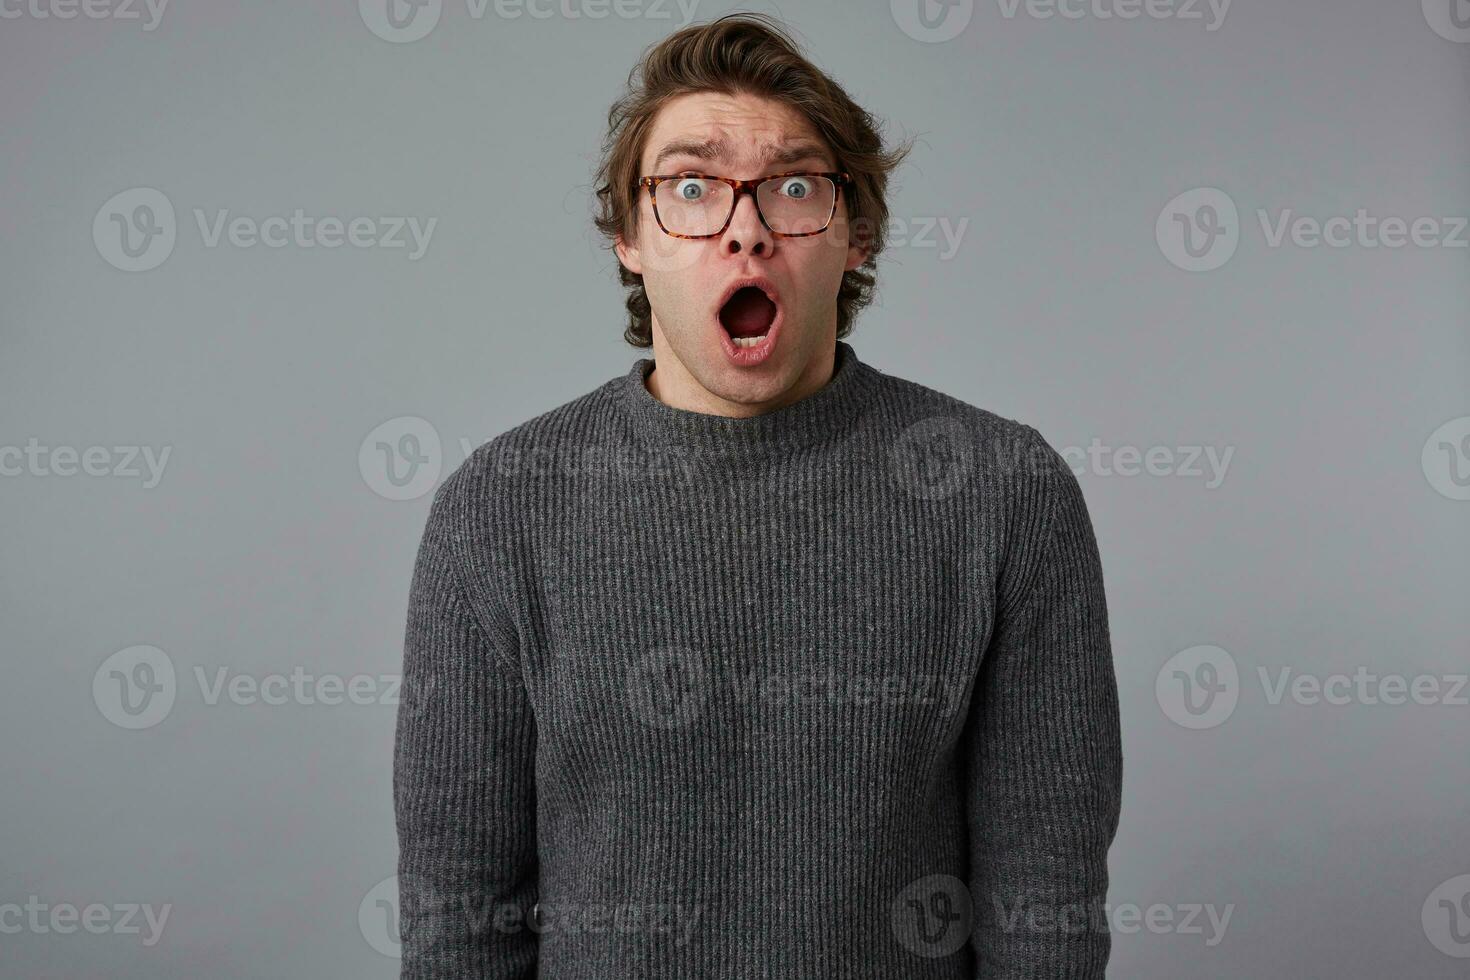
825,692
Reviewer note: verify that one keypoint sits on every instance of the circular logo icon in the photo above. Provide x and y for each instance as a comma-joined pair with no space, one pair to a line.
934,458
135,688
400,21
401,459
1450,19
660,251
1199,230
669,687
1446,917
1198,687
401,915
932,21
1446,459
933,916
135,230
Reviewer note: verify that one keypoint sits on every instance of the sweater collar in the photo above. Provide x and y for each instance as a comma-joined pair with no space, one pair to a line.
828,411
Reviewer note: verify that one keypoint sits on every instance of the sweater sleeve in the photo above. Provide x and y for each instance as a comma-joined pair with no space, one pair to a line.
1043,746
463,775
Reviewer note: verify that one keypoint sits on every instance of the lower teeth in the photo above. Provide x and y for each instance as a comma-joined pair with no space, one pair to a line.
748,341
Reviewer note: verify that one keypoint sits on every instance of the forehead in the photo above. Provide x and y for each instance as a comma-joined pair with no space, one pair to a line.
740,130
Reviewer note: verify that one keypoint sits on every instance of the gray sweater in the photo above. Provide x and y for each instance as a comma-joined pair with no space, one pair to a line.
826,692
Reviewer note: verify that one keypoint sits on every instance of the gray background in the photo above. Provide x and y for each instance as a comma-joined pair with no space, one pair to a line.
268,546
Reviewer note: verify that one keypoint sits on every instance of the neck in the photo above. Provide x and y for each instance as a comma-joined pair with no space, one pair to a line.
824,413
672,383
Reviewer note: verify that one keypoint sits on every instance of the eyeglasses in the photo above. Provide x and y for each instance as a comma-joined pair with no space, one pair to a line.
790,205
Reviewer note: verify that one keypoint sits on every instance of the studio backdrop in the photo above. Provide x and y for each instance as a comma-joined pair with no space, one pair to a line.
271,271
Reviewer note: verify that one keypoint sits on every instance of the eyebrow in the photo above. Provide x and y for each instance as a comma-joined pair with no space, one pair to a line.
715,149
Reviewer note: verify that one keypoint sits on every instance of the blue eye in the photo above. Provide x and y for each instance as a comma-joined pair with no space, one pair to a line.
796,188
689,189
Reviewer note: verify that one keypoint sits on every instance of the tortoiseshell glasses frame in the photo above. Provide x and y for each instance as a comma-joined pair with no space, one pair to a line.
839,181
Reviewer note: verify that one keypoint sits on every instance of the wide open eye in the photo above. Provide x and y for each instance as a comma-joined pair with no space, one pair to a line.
796,188
691,189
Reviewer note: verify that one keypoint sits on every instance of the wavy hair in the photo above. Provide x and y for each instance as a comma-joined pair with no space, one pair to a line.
744,53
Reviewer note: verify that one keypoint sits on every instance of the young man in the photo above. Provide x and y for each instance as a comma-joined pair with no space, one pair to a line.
755,661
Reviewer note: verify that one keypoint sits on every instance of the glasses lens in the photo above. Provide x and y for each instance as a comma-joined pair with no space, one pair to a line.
692,205
797,205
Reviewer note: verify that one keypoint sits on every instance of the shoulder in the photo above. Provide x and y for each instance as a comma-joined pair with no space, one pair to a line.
484,508
545,443
996,455
1026,497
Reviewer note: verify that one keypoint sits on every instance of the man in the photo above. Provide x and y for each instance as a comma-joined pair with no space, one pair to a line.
755,661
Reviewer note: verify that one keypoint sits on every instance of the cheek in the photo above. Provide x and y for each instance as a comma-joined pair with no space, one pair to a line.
659,288
675,295
664,256
822,260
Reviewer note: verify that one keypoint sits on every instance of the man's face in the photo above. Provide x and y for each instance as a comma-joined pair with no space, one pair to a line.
686,279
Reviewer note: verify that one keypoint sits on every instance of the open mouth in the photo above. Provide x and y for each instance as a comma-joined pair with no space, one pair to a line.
747,316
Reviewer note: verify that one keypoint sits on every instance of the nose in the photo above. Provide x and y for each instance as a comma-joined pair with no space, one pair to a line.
746,232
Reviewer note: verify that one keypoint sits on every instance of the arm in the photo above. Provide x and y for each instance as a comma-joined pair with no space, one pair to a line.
1043,749
463,775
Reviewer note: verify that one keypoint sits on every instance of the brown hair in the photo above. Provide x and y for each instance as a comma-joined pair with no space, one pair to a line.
744,53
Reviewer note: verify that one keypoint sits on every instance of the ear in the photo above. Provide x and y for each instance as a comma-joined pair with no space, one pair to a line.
630,255
858,241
